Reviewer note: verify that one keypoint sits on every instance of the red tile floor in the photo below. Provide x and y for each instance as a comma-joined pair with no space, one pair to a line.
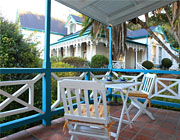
165,127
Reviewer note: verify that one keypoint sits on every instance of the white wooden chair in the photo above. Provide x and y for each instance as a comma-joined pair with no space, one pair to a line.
90,120
144,92
59,98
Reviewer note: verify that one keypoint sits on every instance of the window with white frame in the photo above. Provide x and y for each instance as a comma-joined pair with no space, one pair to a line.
154,54
72,28
160,55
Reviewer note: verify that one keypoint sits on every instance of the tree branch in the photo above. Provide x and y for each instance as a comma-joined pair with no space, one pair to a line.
177,37
144,25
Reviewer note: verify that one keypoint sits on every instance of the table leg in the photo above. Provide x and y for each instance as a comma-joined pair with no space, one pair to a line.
122,113
126,109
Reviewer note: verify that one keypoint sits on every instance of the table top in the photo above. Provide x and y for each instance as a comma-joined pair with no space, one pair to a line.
121,85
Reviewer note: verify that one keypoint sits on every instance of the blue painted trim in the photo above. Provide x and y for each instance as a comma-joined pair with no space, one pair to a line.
110,47
32,29
138,37
70,16
110,91
160,30
21,70
135,58
78,69
157,102
42,70
46,102
20,122
69,37
67,20
134,42
147,71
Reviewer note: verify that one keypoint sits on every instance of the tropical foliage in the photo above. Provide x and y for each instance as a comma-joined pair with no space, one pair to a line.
17,52
118,35
172,13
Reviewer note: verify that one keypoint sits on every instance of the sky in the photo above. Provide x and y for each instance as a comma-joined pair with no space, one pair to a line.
8,8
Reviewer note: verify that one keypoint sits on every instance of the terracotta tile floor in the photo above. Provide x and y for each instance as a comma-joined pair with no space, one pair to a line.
165,127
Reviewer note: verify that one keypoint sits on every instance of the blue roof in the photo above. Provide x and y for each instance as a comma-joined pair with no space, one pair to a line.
35,21
76,35
76,18
139,33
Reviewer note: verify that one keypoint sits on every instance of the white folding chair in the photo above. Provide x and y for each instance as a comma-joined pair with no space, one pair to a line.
90,120
144,92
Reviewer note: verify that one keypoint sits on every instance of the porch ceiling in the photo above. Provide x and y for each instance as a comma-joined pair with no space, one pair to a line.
114,12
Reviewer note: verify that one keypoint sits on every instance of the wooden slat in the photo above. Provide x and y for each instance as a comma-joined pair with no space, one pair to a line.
95,103
87,102
70,100
64,100
78,101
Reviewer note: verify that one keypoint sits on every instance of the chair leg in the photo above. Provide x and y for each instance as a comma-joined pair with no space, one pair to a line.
149,114
130,107
137,115
142,108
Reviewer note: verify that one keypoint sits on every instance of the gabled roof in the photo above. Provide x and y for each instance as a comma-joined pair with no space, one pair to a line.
76,35
139,33
33,21
76,19
72,36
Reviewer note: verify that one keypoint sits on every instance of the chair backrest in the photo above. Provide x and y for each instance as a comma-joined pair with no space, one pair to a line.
148,83
68,86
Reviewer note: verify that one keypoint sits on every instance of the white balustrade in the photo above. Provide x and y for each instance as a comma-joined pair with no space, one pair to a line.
118,64
27,84
139,66
161,88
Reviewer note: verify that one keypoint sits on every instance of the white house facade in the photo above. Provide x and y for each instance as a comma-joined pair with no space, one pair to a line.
140,46
33,24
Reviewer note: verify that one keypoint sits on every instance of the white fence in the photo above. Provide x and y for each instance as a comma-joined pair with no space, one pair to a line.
26,85
164,87
118,64
167,88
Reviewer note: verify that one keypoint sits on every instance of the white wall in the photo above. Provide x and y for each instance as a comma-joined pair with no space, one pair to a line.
39,37
101,49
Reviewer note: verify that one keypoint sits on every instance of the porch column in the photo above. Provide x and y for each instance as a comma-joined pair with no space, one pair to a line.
57,52
110,48
46,95
91,50
136,58
76,50
66,51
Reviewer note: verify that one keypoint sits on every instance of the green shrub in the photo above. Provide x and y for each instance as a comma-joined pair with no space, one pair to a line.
166,63
59,74
55,59
75,61
148,64
99,61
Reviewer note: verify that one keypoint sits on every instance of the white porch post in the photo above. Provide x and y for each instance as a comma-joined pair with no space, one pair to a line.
57,52
136,58
66,51
91,50
76,50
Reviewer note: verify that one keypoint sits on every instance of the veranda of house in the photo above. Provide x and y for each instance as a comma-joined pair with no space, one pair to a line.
165,126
